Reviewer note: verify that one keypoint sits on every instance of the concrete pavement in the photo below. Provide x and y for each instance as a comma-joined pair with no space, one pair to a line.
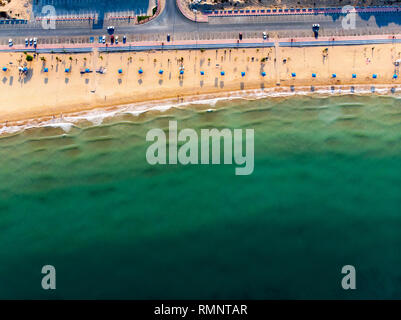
172,21
207,44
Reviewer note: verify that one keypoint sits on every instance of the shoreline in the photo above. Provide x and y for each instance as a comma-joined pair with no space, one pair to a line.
96,116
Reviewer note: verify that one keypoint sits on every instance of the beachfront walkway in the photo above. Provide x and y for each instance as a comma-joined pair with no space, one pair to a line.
206,44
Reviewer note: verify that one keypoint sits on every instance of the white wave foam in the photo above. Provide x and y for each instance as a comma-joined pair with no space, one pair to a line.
97,116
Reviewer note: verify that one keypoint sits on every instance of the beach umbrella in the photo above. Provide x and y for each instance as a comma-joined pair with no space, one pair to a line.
160,71
353,75
67,70
243,74
4,69
263,74
293,74
202,73
313,75
181,71
120,71
374,76
140,71
45,69
25,69
334,75
395,76
222,73
87,70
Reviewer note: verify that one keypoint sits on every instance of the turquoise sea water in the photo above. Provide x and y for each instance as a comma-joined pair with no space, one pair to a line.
325,192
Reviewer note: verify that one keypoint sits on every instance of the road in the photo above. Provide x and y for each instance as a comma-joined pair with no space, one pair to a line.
172,21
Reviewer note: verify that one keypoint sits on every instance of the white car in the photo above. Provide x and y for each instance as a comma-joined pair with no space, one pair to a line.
30,41
104,39
264,35
26,42
10,42
35,41
116,38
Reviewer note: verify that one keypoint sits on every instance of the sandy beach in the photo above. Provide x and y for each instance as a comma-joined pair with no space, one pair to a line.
39,94
19,9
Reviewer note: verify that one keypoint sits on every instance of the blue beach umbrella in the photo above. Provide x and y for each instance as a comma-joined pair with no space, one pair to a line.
313,75
25,69
353,76
202,73
263,74
120,71
140,71
374,76
181,71
293,74
395,76
334,75
67,70
87,70
4,69
160,71
222,73
46,70
243,74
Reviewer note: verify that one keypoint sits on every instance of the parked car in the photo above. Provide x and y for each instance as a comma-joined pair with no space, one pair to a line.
10,42
110,29
315,29
168,37
240,36
124,39
112,39
104,39
264,36
35,42
116,39
30,41
26,42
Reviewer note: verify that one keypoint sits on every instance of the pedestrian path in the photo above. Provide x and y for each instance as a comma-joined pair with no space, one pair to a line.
207,44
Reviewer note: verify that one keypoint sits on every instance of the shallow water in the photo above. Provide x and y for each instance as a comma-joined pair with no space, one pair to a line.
325,192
